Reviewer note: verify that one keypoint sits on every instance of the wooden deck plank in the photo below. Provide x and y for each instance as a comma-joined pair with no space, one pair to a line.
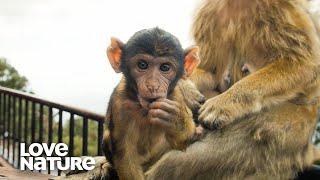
8,172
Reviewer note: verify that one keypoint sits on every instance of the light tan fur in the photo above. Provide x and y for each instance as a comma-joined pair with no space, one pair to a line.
280,35
268,117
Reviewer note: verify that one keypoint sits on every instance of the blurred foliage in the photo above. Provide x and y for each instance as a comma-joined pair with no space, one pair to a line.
10,77
78,130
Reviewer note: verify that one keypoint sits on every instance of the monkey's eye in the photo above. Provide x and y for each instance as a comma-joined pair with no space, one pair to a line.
165,67
142,65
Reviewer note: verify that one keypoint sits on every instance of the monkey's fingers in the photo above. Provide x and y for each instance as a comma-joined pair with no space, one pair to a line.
203,112
213,119
204,107
211,124
193,104
160,122
208,117
171,102
159,113
164,106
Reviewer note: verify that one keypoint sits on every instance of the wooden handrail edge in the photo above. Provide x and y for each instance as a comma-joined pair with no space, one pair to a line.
67,108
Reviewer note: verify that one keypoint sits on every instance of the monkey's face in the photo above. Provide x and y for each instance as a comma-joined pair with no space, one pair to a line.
153,76
152,62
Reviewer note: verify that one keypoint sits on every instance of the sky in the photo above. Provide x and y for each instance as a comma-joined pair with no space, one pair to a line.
59,45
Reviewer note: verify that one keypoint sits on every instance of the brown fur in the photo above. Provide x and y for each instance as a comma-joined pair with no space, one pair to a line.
136,141
265,134
147,113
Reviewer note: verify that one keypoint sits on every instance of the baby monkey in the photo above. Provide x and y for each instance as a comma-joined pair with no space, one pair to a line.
147,113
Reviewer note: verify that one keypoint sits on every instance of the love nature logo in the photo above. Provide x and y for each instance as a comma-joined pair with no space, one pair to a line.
41,156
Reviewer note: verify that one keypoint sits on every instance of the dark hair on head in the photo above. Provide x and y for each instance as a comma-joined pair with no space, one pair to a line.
155,42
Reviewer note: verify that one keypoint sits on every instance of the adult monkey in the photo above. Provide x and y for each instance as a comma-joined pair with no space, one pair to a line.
265,120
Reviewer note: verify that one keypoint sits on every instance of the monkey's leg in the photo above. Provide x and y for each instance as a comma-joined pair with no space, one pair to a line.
257,147
127,166
202,160
181,165
191,94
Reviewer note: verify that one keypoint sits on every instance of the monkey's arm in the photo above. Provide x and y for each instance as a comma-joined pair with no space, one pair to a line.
106,143
293,69
276,83
183,131
127,166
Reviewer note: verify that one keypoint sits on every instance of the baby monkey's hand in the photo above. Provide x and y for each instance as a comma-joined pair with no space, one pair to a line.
175,119
164,112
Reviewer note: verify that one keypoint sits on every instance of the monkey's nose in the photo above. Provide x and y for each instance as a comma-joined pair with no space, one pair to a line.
151,100
153,88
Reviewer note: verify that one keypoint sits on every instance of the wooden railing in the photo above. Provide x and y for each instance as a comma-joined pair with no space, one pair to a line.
25,118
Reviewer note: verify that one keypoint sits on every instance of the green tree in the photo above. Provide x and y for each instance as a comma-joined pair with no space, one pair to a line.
10,77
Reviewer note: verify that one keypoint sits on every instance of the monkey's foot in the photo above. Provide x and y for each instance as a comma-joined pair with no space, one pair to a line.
192,96
101,171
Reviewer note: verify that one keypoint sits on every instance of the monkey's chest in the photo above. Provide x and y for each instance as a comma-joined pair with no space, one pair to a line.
151,143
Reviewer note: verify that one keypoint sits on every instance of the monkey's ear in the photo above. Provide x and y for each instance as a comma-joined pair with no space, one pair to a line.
191,59
114,53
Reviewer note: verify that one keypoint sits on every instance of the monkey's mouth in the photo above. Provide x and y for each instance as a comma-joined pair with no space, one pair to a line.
145,102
